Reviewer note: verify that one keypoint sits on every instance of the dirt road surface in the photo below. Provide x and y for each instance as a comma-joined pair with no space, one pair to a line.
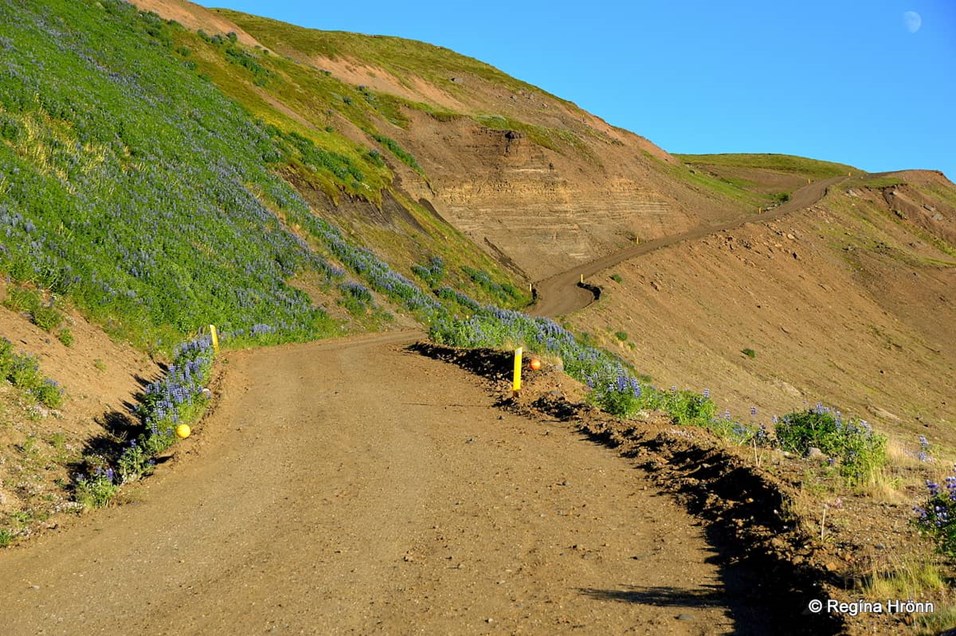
560,295
356,487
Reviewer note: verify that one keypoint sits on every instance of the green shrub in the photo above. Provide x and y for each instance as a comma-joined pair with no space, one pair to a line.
860,451
136,462
66,337
617,278
22,299
750,353
937,516
24,373
6,358
684,407
98,490
46,317
6,537
356,298
622,397
433,273
49,394
620,335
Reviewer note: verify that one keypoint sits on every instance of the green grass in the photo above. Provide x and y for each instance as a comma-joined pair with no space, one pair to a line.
23,372
782,163
135,188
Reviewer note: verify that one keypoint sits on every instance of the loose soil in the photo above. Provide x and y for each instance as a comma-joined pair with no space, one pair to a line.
355,486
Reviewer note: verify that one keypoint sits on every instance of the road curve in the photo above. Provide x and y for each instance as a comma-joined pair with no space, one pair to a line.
352,486
559,294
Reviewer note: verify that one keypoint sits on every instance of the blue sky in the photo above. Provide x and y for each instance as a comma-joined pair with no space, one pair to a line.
861,82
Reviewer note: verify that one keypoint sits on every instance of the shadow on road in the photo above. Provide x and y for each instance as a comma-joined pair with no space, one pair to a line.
710,596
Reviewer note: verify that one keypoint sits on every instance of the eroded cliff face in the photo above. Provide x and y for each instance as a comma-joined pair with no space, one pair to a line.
549,209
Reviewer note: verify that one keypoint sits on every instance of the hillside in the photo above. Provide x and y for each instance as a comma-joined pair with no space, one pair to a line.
169,169
522,173
850,302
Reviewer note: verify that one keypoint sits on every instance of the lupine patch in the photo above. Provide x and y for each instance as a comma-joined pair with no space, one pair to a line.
937,515
859,450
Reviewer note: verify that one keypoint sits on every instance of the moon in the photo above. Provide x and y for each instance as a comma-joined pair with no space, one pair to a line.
912,21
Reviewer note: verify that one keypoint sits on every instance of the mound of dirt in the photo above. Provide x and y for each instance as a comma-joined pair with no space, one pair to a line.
38,446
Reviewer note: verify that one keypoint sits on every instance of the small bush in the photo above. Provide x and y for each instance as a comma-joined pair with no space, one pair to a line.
49,394
860,451
136,462
621,397
617,278
937,516
66,337
24,372
356,298
6,537
6,358
97,490
433,273
620,335
46,317
750,353
22,299
684,407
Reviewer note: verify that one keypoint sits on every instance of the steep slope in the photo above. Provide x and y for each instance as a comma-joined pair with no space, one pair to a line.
851,302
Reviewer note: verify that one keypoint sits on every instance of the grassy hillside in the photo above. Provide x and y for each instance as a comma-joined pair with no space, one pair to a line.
770,177
801,166
131,185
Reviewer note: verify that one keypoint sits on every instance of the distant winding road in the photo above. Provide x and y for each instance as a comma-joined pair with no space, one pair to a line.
560,294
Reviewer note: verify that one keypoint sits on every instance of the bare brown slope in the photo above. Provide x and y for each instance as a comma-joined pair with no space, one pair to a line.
845,302
355,487
195,17
37,445
560,294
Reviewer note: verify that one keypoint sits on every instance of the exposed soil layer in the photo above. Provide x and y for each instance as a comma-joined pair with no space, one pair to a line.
850,301
101,379
562,293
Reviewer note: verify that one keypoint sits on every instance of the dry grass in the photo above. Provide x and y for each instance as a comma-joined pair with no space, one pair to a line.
912,576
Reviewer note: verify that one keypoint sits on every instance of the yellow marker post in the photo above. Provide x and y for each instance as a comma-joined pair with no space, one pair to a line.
215,338
517,383
582,279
